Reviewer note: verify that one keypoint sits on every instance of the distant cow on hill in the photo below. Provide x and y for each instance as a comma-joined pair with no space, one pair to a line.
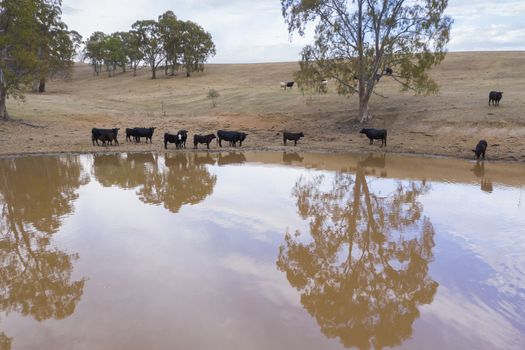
495,97
286,84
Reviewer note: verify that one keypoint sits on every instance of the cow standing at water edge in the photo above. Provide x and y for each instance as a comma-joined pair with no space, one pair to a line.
481,148
375,134
202,139
292,136
231,136
104,135
170,138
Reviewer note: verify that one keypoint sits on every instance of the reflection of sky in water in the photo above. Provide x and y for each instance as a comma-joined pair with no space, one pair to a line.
206,277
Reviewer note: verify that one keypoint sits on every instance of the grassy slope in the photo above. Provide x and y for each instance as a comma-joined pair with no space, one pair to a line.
250,98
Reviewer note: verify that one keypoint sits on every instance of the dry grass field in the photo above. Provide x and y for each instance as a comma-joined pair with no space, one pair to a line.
447,124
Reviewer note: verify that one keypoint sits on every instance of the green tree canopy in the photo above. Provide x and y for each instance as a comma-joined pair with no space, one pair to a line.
150,43
18,48
171,31
197,47
94,50
356,41
56,48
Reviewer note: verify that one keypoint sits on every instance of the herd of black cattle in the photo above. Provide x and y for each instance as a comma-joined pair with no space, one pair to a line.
108,136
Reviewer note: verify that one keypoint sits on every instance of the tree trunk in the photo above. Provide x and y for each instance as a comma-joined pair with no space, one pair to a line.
3,109
134,70
364,113
153,73
364,94
42,85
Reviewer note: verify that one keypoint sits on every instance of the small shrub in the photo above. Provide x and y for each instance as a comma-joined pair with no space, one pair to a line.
213,95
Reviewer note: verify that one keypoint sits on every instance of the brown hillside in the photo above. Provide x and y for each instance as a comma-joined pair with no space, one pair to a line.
449,123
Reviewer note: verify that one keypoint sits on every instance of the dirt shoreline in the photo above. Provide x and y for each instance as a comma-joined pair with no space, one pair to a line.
254,143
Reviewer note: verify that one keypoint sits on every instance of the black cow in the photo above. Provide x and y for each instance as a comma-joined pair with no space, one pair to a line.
495,97
137,133
184,137
481,147
203,139
176,139
104,135
129,134
389,71
292,136
231,136
375,134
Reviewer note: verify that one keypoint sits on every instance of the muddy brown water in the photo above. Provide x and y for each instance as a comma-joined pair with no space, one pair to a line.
261,251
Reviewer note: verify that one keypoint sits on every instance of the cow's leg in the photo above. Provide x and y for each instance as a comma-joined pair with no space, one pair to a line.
295,142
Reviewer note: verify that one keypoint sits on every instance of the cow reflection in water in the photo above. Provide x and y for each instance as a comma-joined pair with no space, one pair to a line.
479,171
231,158
288,158
35,280
184,178
363,271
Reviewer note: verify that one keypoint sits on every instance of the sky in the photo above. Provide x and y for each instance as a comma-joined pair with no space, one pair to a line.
249,31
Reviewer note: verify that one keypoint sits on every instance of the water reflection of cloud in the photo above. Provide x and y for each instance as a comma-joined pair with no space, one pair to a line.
475,218
270,284
471,322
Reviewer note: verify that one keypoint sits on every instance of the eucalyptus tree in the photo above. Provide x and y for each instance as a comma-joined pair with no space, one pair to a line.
56,48
122,49
171,31
18,54
150,43
95,50
113,54
197,47
131,45
356,41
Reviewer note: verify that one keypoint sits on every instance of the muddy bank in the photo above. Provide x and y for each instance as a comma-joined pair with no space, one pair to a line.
265,134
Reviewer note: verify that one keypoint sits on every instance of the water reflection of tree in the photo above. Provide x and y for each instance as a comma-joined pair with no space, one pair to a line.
35,278
183,180
365,271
